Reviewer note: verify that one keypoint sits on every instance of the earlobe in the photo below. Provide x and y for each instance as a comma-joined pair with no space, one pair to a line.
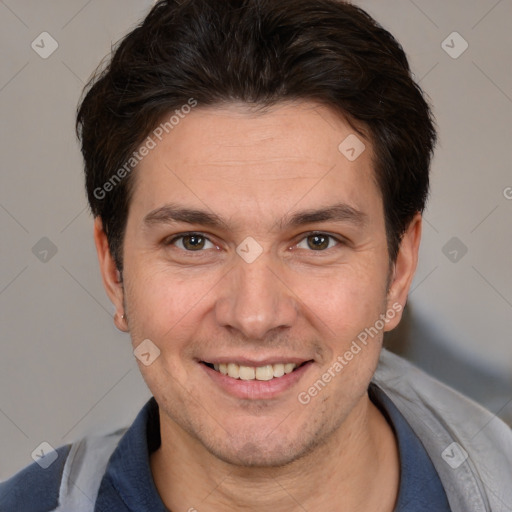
112,279
120,322
404,269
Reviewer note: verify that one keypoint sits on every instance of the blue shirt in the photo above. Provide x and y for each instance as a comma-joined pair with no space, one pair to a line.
127,484
421,489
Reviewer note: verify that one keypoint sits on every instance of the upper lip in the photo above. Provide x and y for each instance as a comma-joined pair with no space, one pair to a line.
245,361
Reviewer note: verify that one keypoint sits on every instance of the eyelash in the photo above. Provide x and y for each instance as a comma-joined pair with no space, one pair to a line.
173,240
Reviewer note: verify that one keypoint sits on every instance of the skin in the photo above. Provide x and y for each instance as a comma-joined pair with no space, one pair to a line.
219,451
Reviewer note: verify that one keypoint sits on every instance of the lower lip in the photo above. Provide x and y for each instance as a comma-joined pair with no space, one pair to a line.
257,389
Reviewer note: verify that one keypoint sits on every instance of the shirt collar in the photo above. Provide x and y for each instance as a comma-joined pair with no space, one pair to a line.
128,479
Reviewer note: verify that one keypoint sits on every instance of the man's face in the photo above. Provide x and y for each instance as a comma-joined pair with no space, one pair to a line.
197,286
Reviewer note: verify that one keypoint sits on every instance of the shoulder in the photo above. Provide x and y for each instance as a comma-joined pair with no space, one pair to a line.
415,390
41,479
60,480
470,447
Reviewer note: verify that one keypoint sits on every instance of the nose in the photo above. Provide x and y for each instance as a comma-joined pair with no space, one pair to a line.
255,300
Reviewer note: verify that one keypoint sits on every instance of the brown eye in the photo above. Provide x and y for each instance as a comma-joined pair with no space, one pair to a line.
192,242
318,242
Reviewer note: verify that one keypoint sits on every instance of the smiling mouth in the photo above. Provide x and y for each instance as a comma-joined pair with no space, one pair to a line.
267,372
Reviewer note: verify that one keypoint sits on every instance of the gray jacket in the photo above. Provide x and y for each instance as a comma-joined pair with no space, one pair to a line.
451,428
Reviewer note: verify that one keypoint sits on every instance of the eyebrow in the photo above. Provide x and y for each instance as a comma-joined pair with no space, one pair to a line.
170,213
340,212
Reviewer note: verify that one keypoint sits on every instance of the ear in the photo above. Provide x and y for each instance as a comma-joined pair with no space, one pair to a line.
110,274
403,271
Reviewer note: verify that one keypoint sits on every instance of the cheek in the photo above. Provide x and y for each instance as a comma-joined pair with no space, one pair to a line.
347,301
161,304
164,309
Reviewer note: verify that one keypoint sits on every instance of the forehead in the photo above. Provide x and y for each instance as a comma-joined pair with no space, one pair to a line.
231,157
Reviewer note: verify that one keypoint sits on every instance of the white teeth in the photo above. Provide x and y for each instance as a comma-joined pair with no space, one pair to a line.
289,367
233,370
264,372
247,373
267,372
278,370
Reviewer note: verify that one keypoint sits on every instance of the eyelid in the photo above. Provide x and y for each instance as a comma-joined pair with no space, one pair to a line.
174,238
338,238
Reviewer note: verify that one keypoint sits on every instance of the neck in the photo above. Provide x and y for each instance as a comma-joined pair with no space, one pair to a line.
357,468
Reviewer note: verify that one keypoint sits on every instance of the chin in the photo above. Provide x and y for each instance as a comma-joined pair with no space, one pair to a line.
260,453
253,456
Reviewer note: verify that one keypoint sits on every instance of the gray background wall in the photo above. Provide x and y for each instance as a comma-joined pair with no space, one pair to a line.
66,371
